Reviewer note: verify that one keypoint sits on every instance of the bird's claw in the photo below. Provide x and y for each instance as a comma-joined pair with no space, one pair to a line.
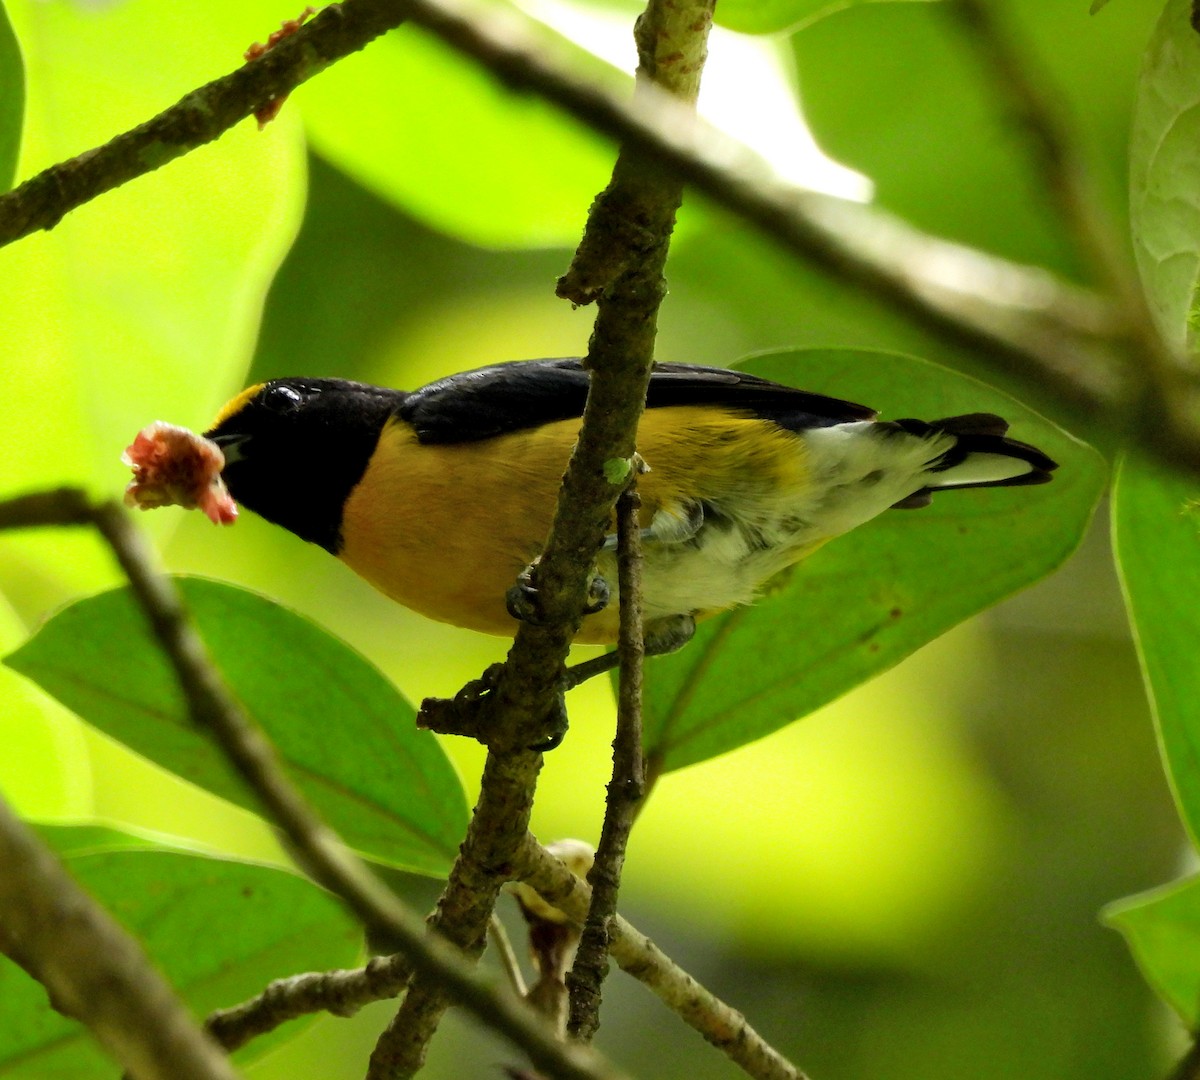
598,595
524,604
522,600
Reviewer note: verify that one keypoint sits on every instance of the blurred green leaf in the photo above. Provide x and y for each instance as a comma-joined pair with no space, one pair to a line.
219,930
772,16
870,598
44,771
896,91
421,126
345,734
1164,171
1162,929
12,100
145,303
1156,524
75,839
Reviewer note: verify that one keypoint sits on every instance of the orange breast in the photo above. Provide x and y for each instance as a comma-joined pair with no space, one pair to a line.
445,530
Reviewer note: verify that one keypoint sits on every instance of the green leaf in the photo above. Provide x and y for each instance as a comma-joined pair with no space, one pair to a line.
511,171
89,838
271,923
926,124
347,737
1164,171
773,16
1162,929
868,599
12,100
145,303
1156,525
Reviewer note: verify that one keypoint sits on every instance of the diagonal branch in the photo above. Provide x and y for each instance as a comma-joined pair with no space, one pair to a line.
93,970
318,849
198,118
719,1023
1117,395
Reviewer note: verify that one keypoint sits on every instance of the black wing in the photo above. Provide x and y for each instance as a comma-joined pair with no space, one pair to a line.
494,400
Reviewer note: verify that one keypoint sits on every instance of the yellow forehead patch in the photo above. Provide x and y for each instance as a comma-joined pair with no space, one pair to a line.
235,405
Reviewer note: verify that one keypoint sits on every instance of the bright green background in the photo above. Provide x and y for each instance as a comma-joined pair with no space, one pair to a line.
904,885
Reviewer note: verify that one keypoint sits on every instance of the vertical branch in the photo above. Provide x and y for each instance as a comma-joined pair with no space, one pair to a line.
620,263
518,700
627,788
484,865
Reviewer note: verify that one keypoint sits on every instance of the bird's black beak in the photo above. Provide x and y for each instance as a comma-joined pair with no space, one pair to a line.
232,446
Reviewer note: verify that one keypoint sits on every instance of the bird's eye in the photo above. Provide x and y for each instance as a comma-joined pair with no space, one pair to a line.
281,398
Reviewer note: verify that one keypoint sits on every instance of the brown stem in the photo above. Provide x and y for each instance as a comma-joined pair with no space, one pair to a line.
197,118
484,864
92,969
626,790
522,701
342,993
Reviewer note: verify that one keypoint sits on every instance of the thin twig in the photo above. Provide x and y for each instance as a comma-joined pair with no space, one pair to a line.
198,118
93,970
499,940
341,993
719,1023
317,848
626,790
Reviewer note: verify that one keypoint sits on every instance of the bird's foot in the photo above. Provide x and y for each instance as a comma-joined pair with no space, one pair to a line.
670,634
661,637
524,602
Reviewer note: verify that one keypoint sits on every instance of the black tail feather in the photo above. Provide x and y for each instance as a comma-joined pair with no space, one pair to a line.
975,434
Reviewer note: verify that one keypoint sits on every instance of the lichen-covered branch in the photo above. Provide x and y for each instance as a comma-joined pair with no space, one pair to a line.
341,993
523,703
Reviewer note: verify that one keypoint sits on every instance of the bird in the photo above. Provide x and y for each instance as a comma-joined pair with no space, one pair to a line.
442,496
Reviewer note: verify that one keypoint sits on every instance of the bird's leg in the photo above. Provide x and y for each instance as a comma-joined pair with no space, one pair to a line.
662,637
669,526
